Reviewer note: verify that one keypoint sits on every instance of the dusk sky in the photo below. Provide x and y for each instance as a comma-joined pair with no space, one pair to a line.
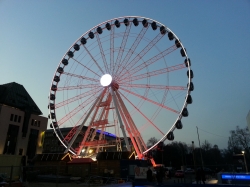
34,36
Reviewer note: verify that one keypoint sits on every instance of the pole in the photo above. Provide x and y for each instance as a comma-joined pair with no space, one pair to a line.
162,157
194,156
200,147
245,161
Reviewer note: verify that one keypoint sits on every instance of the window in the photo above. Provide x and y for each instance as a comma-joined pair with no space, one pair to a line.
20,152
32,122
38,123
11,117
15,119
19,119
11,139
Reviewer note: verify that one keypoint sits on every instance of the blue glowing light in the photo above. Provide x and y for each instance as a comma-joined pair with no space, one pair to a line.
106,133
235,176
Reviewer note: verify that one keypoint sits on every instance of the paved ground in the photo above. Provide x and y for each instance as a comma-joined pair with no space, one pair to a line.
129,184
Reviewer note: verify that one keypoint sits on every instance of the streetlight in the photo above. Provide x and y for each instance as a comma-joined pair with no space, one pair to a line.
193,156
200,148
243,152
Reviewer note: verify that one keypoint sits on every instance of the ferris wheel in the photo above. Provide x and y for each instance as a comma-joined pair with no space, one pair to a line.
129,77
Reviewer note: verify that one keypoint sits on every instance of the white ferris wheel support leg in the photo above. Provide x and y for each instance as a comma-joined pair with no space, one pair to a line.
91,122
126,122
97,127
139,146
106,109
120,120
84,121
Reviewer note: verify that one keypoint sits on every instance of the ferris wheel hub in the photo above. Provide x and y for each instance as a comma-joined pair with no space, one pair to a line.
106,80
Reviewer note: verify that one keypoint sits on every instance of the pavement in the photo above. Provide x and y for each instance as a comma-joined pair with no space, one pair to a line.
168,182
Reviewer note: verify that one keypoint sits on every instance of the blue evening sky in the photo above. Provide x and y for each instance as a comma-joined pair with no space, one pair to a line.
34,35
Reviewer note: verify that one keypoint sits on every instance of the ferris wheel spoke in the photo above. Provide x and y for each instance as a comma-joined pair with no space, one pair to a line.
77,87
149,100
143,52
75,110
93,58
102,53
160,87
153,59
81,77
85,94
72,132
122,48
155,113
112,49
154,73
133,48
142,114
85,66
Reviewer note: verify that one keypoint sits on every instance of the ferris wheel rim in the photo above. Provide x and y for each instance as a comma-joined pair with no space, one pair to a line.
93,28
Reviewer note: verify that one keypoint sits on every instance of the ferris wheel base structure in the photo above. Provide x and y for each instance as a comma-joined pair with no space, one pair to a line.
125,76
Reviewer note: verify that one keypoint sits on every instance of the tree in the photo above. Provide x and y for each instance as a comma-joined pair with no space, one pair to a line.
206,145
151,141
239,139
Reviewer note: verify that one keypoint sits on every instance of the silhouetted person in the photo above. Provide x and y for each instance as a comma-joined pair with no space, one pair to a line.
159,175
203,177
197,176
169,173
200,176
149,175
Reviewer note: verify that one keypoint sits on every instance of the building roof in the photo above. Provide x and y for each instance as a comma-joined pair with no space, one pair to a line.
15,95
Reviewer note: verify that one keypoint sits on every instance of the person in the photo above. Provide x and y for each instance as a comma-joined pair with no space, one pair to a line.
198,176
166,173
160,175
149,174
169,174
203,177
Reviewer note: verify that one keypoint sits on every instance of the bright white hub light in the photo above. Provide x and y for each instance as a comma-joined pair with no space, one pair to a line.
106,80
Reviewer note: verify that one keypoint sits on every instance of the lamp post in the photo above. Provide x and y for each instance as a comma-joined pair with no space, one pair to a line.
202,164
193,156
243,152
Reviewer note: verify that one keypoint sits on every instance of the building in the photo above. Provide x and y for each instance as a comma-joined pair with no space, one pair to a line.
21,124
248,120
53,145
